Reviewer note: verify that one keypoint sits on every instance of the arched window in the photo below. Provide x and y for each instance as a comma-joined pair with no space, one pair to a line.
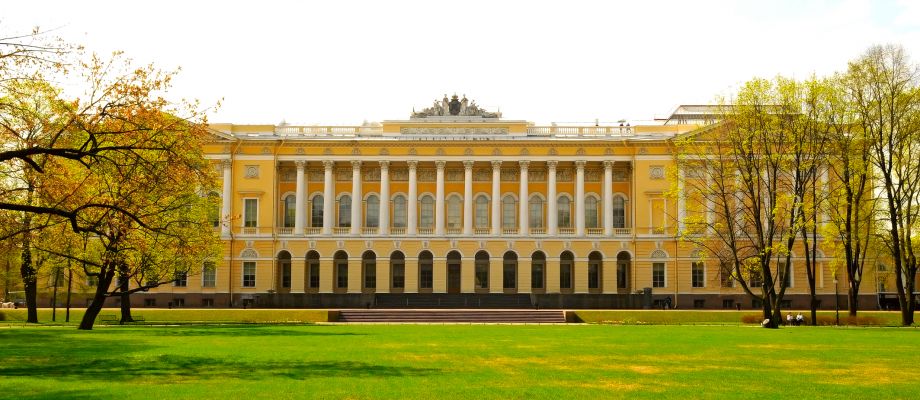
454,204
537,270
623,262
340,260
427,211
425,270
372,214
509,208
590,212
345,211
566,267
284,267
369,269
316,214
313,269
509,270
619,212
482,270
400,214
536,212
595,271
482,211
564,216
398,270
290,211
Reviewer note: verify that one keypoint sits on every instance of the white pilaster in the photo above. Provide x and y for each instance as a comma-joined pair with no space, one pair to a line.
225,199
299,212
608,198
523,220
412,220
384,199
467,197
328,196
552,211
356,198
439,200
580,197
496,198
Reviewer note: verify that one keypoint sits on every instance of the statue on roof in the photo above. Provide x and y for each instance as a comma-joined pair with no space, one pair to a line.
454,106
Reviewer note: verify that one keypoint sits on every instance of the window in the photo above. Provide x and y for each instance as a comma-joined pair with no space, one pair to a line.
207,303
454,203
536,212
250,213
756,279
316,214
697,275
787,275
427,217
537,268
370,270
208,274
508,212
622,274
341,271
290,210
566,267
619,212
725,272
345,211
482,270
728,303
594,270
313,262
400,215
699,303
150,302
178,302
509,271
249,274
590,212
658,275
285,273
425,271
181,279
482,211
398,269
564,215
372,219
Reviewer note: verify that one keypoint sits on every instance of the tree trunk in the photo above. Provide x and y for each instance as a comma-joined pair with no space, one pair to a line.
102,287
853,294
125,300
29,274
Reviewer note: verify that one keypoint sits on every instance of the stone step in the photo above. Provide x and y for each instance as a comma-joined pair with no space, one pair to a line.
384,315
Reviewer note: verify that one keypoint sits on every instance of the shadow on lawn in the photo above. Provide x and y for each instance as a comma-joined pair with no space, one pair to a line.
175,368
242,331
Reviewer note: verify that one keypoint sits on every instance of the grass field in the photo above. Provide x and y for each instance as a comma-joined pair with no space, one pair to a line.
459,362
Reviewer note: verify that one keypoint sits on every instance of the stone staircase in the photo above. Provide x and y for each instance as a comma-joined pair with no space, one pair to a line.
457,300
455,315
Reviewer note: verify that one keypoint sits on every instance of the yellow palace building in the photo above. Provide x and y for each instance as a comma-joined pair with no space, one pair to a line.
457,207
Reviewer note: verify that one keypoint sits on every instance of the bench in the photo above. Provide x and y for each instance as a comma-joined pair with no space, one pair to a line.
108,318
139,318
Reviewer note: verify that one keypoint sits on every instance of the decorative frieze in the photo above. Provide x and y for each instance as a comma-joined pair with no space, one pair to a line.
343,174
619,175
564,175
482,175
315,175
454,131
593,175
454,175
371,175
536,175
426,175
287,174
511,175
399,175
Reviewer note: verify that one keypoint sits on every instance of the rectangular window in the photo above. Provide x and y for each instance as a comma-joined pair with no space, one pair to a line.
787,275
564,214
509,276
208,275
508,213
536,214
482,275
594,276
536,277
427,210
454,205
482,213
425,275
178,302
621,274
250,213
565,276
697,274
316,214
286,274
314,274
399,275
249,274
728,304
699,303
207,303
725,275
341,281
400,216
370,274
345,212
756,279
150,302
658,275
372,212
181,279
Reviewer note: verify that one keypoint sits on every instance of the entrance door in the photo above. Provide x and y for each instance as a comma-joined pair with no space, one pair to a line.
453,278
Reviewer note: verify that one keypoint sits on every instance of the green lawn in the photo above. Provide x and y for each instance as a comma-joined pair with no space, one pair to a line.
459,361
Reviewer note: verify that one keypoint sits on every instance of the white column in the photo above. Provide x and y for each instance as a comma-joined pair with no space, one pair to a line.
384,201
225,198
412,220
467,197
681,201
552,212
328,197
299,214
496,198
580,198
356,199
439,200
608,198
524,197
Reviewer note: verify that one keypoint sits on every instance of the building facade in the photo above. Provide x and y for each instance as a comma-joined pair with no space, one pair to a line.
457,205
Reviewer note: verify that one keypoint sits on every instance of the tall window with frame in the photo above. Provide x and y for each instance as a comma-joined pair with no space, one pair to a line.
181,279
619,212
566,267
590,212
787,275
400,214
595,269
537,268
658,271
454,205
398,270
482,211
426,219
725,275
425,271
250,213
536,212
313,268
482,270
208,274
249,274
345,211
290,211
372,212
564,213
316,213
509,214
341,272
509,271
369,261
697,274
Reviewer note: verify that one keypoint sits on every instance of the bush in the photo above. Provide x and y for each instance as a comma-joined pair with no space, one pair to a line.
824,320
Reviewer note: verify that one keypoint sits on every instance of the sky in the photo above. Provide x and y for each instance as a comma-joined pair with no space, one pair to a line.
344,62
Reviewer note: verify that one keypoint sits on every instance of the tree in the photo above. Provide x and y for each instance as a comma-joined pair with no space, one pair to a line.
883,84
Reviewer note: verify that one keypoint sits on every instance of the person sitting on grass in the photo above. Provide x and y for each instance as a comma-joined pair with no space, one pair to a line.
789,319
799,319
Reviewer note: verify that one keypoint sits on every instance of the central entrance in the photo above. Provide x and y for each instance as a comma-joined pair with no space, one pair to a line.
453,272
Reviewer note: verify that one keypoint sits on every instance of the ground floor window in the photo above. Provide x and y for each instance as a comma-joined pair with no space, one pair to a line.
482,274
658,275
249,274
697,275
565,276
341,274
207,302
314,274
536,274
425,273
